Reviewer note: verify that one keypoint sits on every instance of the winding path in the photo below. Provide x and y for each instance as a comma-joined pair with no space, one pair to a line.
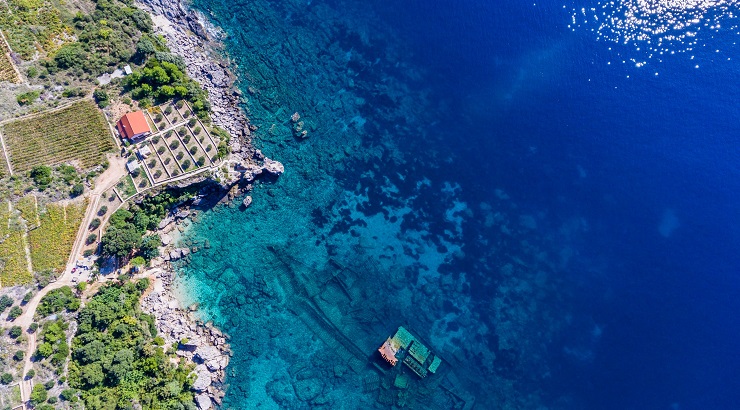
106,180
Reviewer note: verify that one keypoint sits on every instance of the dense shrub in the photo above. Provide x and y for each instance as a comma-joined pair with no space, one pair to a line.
27,97
41,175
5,302
114,342
56,301
15,332
15,311
76,190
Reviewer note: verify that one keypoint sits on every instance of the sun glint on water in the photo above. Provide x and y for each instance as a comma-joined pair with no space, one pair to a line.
654,28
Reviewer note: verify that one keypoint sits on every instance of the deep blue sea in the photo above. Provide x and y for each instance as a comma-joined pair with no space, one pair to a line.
555,212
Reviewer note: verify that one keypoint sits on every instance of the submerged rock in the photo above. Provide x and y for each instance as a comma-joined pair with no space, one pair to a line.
307,389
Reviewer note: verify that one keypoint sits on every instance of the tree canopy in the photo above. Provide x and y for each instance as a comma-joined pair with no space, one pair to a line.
115,360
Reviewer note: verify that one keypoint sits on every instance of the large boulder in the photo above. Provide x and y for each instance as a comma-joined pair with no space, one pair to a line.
273,167
203,401
206,353
203,379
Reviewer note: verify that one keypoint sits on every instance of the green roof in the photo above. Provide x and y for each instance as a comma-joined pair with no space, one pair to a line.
435,364
418,351
403,337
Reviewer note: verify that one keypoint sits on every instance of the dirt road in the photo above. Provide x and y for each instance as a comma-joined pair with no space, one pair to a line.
105,181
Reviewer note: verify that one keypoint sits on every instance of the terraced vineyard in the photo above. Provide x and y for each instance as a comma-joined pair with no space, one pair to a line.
7,72
13,265
51,243
76,134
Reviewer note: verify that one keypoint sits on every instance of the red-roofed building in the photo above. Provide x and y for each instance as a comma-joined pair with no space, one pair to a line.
133,126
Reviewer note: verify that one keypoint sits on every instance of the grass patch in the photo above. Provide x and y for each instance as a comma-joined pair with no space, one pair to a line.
13,265
51,243
75,134
126,187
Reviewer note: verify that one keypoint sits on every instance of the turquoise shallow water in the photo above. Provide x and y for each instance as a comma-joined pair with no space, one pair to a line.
367,230
559,226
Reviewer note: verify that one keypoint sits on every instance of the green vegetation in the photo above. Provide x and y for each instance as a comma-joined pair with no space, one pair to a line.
76,190
52,242
6,378
106,38
126,187
32,26
15,332
115,361
15,311
95,223
5,302
53,344
164,80
44,277
138,262
56,301
72,92
101,97
78,132
41,175
27,97
125,234
38,394
223,145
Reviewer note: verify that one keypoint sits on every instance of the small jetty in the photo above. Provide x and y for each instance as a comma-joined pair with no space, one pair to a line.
404,371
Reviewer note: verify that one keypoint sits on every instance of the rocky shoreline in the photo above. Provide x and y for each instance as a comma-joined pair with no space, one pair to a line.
199,343
190,36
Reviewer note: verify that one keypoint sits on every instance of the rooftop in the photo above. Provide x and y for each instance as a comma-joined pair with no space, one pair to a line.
133,165
133,124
